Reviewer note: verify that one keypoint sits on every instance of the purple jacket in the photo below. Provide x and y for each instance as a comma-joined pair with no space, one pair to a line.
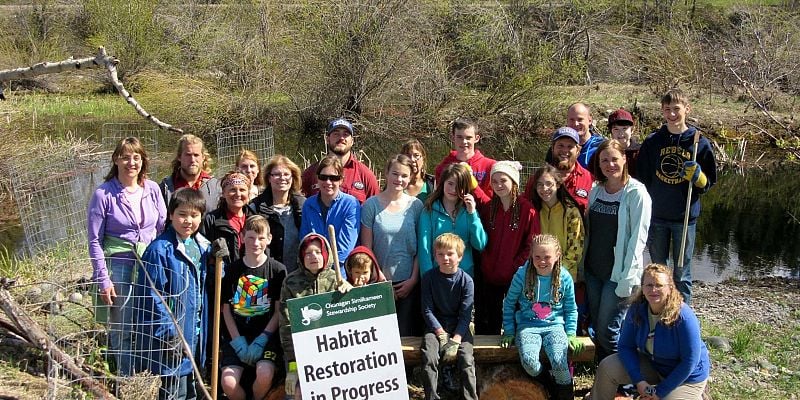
109,213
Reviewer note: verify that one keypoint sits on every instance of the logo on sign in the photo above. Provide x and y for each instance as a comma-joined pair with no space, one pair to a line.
311,313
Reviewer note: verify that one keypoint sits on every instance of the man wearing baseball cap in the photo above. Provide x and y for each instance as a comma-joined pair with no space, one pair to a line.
358,180
577,180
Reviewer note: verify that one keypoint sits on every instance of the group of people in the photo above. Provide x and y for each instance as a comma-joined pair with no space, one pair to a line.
470,249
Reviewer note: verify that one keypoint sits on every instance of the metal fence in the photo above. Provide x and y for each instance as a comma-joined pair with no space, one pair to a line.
51,184
232,140
128,352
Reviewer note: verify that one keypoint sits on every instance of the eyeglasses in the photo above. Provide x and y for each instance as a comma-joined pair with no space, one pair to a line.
281,175
332,178
655,286
545,185
130,158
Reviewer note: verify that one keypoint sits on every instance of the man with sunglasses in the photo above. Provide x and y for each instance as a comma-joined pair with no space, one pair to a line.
358,180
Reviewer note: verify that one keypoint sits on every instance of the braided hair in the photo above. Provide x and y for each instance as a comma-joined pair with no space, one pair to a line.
544,239
496,203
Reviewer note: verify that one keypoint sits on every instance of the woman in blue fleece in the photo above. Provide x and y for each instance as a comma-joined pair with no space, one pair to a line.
660,349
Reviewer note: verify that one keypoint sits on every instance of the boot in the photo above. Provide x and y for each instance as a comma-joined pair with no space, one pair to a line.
564,392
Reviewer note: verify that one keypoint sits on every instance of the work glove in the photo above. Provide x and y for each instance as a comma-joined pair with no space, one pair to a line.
256,349
576,345
692,173
344,286
291,379
450,351
443,339
506,341
473,183
219,248
240,346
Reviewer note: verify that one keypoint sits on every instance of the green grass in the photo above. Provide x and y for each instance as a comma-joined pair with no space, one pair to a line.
82,114
745,343
737,374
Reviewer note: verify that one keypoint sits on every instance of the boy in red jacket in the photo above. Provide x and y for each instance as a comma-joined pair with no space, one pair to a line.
465,134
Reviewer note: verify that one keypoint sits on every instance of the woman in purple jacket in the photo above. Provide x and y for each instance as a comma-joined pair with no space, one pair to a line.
125,214
660,349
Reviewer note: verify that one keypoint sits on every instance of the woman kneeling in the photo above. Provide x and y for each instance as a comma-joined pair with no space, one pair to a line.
660,349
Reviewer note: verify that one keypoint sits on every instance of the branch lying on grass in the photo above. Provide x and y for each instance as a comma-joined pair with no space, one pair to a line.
39,339
101,60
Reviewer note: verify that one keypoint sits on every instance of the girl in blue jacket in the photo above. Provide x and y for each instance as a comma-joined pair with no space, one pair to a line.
660,348
450,209
539,310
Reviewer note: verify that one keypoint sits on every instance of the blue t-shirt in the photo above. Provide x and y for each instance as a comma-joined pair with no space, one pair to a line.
394,235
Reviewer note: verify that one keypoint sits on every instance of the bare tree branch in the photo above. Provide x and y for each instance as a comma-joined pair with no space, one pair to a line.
101,60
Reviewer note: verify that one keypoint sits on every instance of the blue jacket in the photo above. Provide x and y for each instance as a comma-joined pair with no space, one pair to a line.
436,222
679,354
633,223
344,215
589,148
658,166
180,283
564,313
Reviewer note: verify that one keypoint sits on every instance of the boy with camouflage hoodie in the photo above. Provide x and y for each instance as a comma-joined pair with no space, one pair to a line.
314,276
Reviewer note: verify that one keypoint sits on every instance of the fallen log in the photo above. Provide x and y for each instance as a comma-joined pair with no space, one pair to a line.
35,335
486,349
101,60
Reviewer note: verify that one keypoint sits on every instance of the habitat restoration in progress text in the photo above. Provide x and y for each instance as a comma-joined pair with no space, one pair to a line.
348,346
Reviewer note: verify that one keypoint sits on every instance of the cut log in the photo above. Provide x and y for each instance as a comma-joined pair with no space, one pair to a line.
486,349
39,338
508,382
101,60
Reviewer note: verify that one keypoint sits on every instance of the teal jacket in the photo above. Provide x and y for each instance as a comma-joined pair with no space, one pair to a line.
435,222
633,223
540,311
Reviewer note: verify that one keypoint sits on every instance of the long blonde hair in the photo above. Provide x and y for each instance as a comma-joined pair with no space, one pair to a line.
544,239
672,309
188,139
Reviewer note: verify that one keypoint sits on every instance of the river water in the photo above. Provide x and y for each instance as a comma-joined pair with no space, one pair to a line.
749,226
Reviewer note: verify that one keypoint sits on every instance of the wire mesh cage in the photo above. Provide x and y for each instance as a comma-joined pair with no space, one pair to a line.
129,349
113,133
51,184
232,140
528,169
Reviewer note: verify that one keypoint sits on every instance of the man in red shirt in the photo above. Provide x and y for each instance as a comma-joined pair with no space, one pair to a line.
577,180
464,134
190,168
358,180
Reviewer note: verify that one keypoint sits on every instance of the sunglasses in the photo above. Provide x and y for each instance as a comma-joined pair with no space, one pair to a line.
332,178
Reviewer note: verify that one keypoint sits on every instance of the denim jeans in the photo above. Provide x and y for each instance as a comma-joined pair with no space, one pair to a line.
658,243
120,317
606,312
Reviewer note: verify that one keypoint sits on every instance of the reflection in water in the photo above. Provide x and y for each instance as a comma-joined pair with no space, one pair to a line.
749,228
